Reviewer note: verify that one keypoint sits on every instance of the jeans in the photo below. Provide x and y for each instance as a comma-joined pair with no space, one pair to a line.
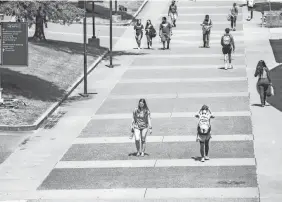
233,21
206,38
263,84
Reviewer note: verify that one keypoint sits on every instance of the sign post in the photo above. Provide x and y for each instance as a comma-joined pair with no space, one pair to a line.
14,46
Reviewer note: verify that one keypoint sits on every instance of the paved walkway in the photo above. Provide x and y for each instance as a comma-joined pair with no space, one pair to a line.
88,155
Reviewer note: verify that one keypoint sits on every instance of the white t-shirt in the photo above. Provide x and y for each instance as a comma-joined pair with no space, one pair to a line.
250,3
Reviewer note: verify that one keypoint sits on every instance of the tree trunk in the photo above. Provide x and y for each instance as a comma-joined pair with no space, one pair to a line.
39,29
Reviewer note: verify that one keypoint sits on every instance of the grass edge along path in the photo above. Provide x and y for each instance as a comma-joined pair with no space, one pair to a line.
55,70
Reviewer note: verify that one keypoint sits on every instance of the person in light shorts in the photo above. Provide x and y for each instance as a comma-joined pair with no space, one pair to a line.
204,131
172,13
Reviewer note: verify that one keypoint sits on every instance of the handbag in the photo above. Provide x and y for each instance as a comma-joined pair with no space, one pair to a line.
270,91
229,17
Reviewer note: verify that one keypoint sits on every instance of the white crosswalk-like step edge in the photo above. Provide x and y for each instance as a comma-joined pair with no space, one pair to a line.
155,163
169,115
164,139
143,193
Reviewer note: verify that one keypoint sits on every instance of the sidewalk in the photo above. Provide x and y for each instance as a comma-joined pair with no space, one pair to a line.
31,163
266,121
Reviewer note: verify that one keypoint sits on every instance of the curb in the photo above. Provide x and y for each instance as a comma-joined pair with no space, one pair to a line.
125,23
54,106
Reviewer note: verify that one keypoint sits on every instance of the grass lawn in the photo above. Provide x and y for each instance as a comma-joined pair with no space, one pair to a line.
53,67
102,11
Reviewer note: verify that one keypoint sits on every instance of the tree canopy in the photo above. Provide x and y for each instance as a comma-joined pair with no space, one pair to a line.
36,12
56,11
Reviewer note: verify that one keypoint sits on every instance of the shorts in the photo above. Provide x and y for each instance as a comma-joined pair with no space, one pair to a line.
173,16
165,37
203,138
227,50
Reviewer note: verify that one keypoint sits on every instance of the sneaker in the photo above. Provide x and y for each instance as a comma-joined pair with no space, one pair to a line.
234,29
207,158
230,66
225,67
203,160
142,154
138,154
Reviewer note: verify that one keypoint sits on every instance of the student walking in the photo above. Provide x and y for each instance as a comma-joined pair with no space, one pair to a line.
165,32
150,33
172,12
138,32
228,45
204,131
233,16
264,81
206,27
250,4
141,124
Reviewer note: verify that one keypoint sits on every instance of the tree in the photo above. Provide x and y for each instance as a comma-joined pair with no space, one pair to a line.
37,12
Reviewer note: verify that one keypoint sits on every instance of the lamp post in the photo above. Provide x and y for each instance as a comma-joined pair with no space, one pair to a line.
111,35
85,49
115,6
93,20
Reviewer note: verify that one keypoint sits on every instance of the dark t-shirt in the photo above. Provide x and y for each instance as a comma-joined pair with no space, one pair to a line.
165,27
138,29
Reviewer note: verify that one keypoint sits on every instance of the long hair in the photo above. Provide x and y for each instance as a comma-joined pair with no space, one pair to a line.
145,105
260,66
204,107
147,24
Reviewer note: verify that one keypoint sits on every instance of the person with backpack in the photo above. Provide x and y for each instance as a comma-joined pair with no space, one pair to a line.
264,81
204,131
138,32
206,27
233,16
165,32
228,45
150,33
172,12
140,126
250,4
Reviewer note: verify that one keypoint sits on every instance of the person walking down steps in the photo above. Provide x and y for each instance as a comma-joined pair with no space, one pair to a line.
141,125
172,13
228,45
206,27
233,16
165,32
150,33
138,32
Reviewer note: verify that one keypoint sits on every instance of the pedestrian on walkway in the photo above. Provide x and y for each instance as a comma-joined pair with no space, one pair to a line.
264,81
172,13
206,27
165,32
150,33
204,131
233,16
228,45
250,4
141,124
138,32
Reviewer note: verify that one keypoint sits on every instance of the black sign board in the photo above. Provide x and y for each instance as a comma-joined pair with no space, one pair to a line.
14,43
